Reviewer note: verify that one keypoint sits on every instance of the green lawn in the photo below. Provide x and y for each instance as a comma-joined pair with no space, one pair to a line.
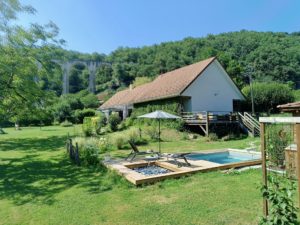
38,185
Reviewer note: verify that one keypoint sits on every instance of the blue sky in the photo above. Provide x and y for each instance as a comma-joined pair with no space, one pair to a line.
104,25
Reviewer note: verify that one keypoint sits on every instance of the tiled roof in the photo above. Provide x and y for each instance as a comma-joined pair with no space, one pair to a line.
289,107
166,85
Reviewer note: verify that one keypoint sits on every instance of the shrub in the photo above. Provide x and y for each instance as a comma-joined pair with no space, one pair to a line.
65,107
122,126
104,144
133,135
172,105
90,101
55,123
279,194
102,119
185,136
119,141
129,122
268,95
88,150
87,126
278,139
98,123
114,121
66,123
80,114
177,124
212,137
152,132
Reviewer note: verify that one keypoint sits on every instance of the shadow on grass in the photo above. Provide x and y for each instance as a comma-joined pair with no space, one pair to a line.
33,179
33,144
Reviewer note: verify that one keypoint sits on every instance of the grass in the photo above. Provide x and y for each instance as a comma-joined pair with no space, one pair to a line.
172,141
38,185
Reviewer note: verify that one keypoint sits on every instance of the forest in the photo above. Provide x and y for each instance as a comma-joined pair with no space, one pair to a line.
268,56
31,78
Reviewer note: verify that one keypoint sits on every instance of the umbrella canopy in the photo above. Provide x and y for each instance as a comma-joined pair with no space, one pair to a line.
159,115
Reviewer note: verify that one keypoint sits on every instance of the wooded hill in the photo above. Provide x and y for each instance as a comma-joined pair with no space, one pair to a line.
268,56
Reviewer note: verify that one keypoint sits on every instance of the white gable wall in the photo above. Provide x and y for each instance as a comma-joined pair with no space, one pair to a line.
213,90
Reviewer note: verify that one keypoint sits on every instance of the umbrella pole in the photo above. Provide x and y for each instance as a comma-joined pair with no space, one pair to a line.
159,135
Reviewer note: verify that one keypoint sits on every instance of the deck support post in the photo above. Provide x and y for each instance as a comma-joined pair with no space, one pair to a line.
264,165
298,156
207,124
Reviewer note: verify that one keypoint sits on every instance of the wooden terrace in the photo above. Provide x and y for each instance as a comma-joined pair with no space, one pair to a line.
204,119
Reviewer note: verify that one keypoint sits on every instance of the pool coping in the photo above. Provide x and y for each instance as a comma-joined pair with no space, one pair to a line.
124,168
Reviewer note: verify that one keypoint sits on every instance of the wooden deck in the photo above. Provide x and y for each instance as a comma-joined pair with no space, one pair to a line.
204,119
125,168
196,118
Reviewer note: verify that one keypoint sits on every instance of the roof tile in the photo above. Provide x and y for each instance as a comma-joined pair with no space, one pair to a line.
169,84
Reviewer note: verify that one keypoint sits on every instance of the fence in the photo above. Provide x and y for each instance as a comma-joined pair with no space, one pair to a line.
280,147
73,151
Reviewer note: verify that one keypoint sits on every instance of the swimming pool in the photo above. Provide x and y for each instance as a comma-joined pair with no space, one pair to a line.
224,157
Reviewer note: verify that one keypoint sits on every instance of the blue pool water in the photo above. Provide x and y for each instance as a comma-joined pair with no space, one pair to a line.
223,157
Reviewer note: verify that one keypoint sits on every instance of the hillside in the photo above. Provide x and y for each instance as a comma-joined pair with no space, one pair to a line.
266,55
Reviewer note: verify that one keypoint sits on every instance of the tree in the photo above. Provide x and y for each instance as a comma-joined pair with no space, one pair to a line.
268,95
26,54
90,101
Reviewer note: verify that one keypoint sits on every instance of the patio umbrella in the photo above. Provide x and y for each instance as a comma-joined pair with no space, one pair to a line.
159,115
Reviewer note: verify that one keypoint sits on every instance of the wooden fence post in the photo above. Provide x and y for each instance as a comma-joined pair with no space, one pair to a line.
68,147
207,123
264,165
71,149
298,156
77,159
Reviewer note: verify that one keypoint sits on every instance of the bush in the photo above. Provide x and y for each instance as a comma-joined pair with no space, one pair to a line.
65,107
268,95
80,114
129,122
212,137
171,105
152,132
90,101
177,124
185,136
134,135
99,122
104,144
278,139
55,123
119,141
66,123
279,194
114,121
89,149
87,127
122,126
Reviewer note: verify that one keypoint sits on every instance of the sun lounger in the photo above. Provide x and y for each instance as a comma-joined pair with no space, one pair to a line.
135,151
177,156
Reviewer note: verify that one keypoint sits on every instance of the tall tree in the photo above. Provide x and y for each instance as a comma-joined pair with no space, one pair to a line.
26,56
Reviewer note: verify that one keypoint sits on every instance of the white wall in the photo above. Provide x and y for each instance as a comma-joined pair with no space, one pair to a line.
213,90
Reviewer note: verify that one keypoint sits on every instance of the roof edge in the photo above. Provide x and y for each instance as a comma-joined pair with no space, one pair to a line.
155,99
186,87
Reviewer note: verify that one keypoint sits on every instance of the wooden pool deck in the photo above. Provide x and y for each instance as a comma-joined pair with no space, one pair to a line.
124,168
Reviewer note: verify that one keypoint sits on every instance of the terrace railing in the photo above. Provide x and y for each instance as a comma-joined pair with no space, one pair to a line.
203,117
250,123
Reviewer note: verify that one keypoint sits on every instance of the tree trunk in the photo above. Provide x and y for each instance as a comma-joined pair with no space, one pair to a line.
17,126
